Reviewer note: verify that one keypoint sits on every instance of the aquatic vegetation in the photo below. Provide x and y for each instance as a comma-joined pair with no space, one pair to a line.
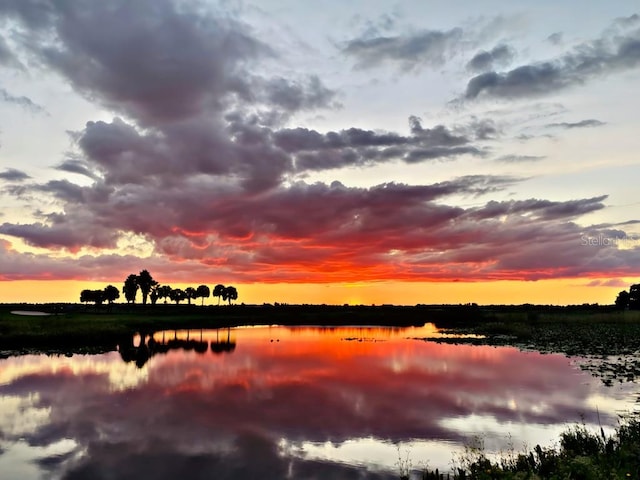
581,454
608,341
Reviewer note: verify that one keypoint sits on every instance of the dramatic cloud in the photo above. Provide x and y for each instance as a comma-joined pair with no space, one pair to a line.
202,151
13,175
500,55
313,150
600,57
391,231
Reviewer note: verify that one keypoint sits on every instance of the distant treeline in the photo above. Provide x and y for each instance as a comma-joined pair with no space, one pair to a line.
152,290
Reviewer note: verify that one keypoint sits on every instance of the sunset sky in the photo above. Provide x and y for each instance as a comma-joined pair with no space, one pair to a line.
343,152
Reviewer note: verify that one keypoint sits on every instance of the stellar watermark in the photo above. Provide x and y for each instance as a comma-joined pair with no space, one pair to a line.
601,240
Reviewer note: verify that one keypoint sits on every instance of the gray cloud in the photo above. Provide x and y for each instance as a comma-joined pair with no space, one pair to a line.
600,57
485,60
197,162
7,57
294,96
34,13
426,47
57,235
519,158
313,150
77,166
581,124
21,101
13,175
555,38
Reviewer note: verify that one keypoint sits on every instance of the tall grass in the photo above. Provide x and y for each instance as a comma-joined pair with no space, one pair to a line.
581,455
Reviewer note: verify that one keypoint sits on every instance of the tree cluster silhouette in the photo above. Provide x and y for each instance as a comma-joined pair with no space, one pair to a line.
630,299
152,290
108,294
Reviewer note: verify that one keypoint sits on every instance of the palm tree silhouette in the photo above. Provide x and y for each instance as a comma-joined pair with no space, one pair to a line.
203,292
218,291
130,288
191,293
146,282
230,293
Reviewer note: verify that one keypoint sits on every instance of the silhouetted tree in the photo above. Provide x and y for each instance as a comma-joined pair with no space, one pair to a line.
190,293
230,293
634,297
130,288
164,291
153,296
218,291
111,293
96,296
177,295
203,292
146,283
622,301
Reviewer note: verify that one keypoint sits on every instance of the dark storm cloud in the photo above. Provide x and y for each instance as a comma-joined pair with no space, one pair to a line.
581,124
608,54
426,47
13,175
21,101
485,60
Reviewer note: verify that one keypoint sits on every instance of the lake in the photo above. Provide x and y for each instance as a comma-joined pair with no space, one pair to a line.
276,402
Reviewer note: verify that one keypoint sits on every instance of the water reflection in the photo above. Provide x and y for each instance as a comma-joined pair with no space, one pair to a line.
281,403
140,348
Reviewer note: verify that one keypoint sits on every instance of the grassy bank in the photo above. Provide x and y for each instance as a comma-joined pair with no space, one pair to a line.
75,328
581,454
583,331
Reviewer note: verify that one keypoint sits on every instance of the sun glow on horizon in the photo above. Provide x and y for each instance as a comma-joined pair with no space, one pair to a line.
559,292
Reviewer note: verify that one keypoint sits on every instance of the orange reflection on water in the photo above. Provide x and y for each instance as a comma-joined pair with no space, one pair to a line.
303,386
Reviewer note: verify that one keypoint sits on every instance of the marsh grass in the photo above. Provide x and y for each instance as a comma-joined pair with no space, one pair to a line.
582,454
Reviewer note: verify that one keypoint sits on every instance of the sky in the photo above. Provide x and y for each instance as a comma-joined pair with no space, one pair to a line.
362,152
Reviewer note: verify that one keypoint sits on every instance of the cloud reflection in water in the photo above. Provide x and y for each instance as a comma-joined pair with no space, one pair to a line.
286,403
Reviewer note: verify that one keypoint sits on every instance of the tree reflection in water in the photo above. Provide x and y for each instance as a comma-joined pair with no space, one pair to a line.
148,346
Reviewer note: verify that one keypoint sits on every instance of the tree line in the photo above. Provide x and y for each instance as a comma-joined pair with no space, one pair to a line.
152,290
630,299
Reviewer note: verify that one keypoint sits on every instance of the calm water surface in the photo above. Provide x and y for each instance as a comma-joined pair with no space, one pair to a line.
274,402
